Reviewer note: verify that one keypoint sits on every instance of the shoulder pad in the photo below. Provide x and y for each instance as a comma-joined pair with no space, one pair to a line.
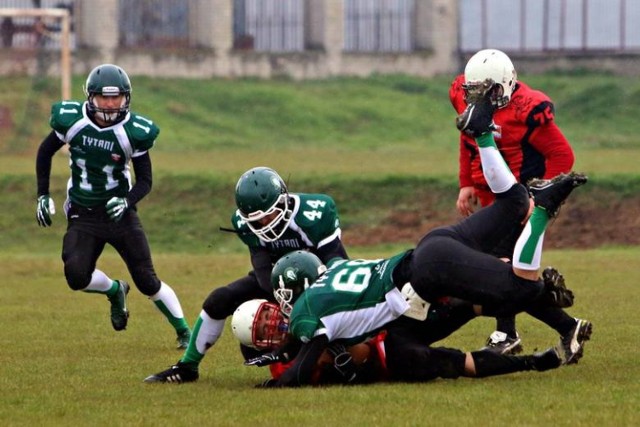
142,132
64,114
525,100
243,231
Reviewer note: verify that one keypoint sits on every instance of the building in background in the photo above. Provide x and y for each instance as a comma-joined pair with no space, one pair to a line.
321,38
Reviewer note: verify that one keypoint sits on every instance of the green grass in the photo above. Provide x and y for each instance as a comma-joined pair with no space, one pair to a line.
379,146
62,364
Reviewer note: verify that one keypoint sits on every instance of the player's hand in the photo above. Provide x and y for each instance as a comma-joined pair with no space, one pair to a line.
264,360
343,362
467,199
477,118
44,210
116,207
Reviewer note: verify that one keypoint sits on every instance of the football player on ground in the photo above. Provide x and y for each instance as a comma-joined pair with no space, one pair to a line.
401,352
354,299
528,139
271,221
104,137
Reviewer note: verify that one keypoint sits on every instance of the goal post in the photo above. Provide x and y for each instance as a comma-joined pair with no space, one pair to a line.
65,38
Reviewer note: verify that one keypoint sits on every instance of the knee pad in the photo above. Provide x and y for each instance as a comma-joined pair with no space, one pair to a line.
146,281
77,277
220,303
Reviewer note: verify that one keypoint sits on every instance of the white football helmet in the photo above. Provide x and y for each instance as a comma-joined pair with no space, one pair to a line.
493,68
259,324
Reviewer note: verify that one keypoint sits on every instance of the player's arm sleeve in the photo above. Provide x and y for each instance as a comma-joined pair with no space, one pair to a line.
144,178
333,249
464,159
262,266
549,141
49,146
301,372
557,152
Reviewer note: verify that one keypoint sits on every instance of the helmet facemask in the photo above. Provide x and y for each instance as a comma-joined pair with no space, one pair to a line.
280,214
285,296
109,115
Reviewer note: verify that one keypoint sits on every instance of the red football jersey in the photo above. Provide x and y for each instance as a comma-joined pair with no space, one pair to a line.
527,136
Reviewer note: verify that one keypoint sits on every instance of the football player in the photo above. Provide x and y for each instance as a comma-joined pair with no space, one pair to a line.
104,138
354,299
271,222
527,137
400,352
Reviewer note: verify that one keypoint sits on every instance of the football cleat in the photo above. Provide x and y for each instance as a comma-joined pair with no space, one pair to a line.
477,118
571,346
555,288
500,343
183,339
550,194
177,374
119,312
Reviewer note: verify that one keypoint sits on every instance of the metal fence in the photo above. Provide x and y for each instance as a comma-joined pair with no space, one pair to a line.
379,25
154,23
550,25
269,25
369,25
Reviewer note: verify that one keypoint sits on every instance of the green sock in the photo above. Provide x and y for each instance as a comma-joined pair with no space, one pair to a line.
111,292
178,323
538,221
191,355
486,140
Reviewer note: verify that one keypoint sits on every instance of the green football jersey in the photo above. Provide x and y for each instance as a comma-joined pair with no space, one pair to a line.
351,301
100,157
314,222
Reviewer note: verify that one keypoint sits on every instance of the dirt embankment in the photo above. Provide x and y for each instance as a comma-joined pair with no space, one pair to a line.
583,223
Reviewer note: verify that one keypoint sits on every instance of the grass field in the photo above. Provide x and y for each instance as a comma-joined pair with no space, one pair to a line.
62,364
377,145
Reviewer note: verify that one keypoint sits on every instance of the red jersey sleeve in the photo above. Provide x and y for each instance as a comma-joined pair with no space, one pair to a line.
467,148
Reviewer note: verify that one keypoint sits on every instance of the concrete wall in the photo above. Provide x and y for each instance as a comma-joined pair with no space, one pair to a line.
212,52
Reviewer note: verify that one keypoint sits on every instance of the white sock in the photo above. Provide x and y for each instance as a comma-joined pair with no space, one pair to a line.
100,283
168,297
208,333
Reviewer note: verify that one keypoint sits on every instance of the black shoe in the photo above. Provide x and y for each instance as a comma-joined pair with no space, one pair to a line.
119,312
500,343
178,374
550,194
555,289
477,118
571,346
549,359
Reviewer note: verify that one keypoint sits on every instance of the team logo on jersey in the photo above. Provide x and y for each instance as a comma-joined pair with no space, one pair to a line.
116,157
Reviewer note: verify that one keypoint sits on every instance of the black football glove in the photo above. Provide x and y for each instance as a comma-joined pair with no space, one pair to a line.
343,362
264,360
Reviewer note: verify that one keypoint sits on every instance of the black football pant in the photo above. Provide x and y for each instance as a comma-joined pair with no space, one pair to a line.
223,301
456,260
89,230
